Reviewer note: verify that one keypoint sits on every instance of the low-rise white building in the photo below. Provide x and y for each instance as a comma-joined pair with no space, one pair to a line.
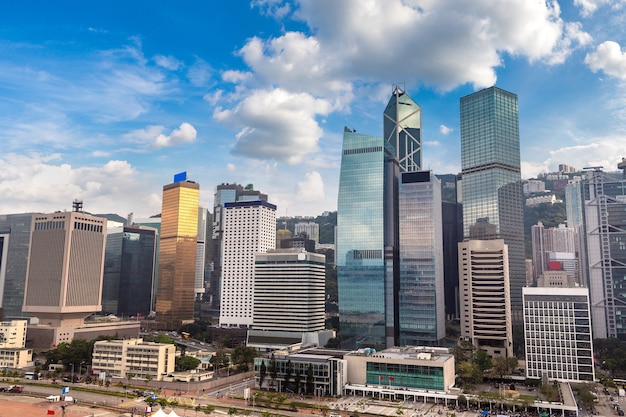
13,354
119,358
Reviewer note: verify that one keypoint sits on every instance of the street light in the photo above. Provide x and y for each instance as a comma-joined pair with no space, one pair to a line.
72,374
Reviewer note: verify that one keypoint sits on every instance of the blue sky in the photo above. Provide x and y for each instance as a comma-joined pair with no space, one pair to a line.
106,101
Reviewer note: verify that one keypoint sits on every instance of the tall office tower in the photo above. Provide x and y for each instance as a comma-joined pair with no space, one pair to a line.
560,239
129,271
485,299
14,242
249,229
574,204
224,193
200,252
65,266
311,229
177,252
360,244
421,318
492,189
605,218
289,291
538,247
402,127
575,207
557,333
452,219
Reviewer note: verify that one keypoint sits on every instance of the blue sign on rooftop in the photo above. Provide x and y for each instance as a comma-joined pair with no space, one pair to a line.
180,177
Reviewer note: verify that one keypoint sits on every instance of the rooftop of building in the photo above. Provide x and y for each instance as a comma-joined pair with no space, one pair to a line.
407,352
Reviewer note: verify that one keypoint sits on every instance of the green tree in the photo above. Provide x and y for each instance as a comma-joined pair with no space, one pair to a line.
273,370
297,380
504,366
242,356
469,373
288,373
187,363
309,380
159,338
262,373
483,360
464,352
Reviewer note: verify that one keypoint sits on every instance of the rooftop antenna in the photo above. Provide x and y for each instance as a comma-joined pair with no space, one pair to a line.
77,205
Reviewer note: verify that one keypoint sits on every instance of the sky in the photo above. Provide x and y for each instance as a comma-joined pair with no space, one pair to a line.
106,101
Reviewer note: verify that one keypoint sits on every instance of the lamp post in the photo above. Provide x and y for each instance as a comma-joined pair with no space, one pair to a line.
72,374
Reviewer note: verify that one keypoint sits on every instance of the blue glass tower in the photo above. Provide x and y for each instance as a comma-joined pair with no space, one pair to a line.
360,242
491,185
391,277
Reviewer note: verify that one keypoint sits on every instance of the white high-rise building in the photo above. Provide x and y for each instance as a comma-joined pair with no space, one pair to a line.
311,229
200,251
557,333
289,291
249,229
485,298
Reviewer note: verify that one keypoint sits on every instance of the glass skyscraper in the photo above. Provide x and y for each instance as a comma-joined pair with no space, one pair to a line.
177,252
360,242
14,242
421,308
389,236
491,184
402,127
605,222
129,271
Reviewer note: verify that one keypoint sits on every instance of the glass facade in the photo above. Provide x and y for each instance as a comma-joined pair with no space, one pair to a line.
491,186
177,252
421,317
360,245
405,375
402,127
127,288
15,236
605,222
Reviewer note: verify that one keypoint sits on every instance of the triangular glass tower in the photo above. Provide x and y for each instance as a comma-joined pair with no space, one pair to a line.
402,128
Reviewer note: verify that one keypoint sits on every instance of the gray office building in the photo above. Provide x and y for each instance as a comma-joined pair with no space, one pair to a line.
492,188
14,243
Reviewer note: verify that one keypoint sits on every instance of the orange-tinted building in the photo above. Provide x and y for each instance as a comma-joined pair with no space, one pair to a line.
177,252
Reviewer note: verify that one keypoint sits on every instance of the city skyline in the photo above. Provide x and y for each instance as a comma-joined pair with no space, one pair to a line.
103,106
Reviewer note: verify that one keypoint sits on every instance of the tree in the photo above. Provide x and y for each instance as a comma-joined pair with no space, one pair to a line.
504,366
309,380
483,360
242,355
148,379
288,373
297,380
273,370
469,373
187,363
262,373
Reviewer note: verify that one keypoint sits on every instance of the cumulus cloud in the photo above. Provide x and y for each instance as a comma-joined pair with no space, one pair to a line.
445,130
604,151
185,133
275,124
153,136
312,188
37,183
608,58
446,43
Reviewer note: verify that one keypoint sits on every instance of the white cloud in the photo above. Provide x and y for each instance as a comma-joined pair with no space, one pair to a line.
154,137
35,184
231,167
608,58
275,8
185,133
604,151
167,62
312,188
445,130
275,124
589,7
199,73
